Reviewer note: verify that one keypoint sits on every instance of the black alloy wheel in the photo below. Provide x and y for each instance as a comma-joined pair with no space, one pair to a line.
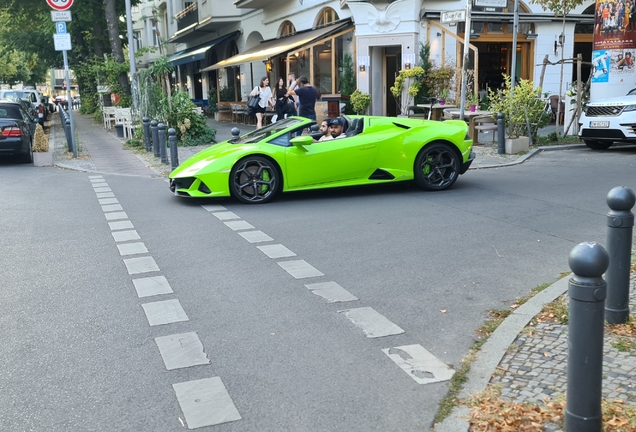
436,167
255,180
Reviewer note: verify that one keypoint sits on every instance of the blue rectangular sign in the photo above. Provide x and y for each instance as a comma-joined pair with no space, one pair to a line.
60,27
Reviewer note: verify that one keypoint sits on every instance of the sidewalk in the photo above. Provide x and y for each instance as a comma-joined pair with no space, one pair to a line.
526,358
102,151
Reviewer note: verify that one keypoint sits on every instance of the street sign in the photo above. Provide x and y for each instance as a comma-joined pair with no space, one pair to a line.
57,16
453,16
60,5
492,3
60,27
62,42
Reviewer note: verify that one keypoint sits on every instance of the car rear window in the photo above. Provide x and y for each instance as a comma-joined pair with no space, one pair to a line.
9,112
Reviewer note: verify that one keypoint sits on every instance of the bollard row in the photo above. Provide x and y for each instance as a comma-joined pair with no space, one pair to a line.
155,139
592,301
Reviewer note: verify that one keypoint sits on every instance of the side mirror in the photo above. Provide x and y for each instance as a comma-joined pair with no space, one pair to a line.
302,140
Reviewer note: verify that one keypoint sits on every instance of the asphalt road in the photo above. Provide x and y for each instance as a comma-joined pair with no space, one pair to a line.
79,353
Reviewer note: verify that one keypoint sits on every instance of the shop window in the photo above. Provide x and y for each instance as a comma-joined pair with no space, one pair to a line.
323,55
326,16
287,29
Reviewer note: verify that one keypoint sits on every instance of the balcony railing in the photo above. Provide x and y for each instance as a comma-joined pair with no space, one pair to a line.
187,17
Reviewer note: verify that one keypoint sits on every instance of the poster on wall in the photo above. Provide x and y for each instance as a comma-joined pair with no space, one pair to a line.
614,48
613,25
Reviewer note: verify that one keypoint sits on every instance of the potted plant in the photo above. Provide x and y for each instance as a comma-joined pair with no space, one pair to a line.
412,80
360,101
473,101
523,110
42,154
443,94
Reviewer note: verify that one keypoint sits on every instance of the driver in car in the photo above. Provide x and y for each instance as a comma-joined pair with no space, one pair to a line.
336,129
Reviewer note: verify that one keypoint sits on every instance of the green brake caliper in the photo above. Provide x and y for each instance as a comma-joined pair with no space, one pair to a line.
266,178
426,170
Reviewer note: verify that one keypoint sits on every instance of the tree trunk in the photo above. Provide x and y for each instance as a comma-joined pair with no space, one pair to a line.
115,43
561,79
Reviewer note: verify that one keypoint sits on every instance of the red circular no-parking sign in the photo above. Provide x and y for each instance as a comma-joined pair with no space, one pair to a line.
60,5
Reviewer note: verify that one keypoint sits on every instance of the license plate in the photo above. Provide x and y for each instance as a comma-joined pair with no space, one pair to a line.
599,124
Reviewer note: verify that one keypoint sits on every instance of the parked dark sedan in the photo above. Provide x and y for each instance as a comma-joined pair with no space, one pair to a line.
16,131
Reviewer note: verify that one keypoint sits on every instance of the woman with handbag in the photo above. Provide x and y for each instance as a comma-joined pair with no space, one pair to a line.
282,101
264,94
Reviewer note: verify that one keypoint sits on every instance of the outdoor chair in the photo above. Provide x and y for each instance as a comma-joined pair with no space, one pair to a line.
108,115
485,123
554,106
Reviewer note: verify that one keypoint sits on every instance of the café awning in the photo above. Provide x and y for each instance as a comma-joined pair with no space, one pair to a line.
273,47
198,52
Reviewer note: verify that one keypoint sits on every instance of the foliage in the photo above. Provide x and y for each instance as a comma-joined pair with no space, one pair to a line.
212,100
439,79
150,96
227,94
522,107
347,80
426,65
412,78
585,95
110,70
190,125
40,140
360,101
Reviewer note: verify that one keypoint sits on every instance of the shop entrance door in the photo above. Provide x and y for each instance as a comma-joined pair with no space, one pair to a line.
495,60
392,60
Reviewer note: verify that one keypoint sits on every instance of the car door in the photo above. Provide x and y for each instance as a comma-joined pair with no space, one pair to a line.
332,161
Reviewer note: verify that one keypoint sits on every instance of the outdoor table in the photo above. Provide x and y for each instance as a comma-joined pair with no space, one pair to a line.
470,115
437,109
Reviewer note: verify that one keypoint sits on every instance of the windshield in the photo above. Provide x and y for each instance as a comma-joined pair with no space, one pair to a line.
13,94
267,131
632,92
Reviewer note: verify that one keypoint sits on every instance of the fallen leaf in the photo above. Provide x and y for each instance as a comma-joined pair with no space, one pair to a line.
443,310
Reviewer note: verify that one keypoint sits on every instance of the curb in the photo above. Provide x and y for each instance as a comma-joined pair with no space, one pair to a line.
532,153
492,352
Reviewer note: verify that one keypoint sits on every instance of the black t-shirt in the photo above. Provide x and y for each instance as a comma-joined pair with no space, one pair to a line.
307,100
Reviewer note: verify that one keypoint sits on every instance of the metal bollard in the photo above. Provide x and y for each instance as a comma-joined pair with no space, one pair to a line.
587,291
145,122
155,137
174,152
235,132
501,134
620,223
161,128
69,140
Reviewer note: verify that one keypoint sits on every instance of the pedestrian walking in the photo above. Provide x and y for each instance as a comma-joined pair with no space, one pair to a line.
265,100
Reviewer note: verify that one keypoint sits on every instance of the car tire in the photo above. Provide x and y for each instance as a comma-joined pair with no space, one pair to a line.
598,145
436,167
28,156
255,180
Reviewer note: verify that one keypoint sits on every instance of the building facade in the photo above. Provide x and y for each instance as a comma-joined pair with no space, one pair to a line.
227,46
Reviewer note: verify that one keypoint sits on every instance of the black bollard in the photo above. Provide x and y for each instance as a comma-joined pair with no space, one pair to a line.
155,137
235,132
501,134
174,152
620,223
69,137
146,126
161,128
587,291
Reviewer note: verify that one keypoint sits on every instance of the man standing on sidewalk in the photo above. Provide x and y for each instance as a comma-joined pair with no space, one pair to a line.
307,95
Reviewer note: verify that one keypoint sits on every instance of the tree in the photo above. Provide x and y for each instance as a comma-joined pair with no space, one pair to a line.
563,8
112,24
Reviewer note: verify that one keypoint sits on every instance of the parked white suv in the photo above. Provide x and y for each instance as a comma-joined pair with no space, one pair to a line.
610,120
32,96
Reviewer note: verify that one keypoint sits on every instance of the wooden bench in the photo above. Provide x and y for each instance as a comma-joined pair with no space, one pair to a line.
224,111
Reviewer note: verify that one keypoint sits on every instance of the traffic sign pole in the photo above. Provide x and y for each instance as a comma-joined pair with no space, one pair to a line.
63,43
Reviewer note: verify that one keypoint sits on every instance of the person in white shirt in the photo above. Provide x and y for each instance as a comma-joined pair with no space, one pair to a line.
265,94
291,85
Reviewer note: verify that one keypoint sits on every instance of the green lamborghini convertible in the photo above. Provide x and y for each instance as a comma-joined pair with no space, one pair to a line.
257,166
